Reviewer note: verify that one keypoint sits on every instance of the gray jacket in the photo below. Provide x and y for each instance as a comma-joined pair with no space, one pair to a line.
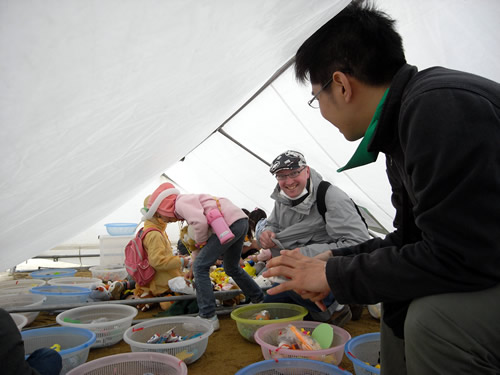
303,226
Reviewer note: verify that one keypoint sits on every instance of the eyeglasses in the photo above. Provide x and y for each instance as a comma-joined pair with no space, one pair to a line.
314,102
293,174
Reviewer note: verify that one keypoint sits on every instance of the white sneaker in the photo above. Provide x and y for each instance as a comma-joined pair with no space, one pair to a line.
213,320
375,311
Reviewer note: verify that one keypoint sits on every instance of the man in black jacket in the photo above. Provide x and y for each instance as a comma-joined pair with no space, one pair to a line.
438,273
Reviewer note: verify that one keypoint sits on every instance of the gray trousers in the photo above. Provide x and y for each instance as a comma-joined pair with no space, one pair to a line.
454,333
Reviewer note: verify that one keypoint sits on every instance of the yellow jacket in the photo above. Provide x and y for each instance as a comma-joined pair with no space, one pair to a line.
161,257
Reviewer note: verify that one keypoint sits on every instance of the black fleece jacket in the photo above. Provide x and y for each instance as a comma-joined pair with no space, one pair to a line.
440,132
12,348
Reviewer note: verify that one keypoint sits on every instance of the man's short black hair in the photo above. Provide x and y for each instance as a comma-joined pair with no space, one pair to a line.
360,41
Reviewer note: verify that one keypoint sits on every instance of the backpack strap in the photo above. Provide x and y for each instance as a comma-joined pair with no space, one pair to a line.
142,233
320,201
320,197
218,205
360,214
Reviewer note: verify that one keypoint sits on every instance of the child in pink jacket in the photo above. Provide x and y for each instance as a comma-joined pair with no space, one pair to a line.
173,206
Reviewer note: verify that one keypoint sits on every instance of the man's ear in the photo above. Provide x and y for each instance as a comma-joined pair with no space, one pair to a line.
341,81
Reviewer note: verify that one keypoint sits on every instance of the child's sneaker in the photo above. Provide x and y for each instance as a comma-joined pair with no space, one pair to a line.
213,320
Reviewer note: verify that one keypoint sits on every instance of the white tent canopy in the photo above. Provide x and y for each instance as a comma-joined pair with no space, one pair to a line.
100,98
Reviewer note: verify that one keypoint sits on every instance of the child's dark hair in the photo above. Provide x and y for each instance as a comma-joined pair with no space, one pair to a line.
360,41
249,231
254,217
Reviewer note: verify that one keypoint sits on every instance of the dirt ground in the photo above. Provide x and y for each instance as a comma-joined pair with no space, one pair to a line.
227,351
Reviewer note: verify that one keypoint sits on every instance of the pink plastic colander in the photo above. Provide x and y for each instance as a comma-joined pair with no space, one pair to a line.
267,338
138,363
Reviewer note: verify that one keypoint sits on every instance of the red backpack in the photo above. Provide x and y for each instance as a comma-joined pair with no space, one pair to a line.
136,259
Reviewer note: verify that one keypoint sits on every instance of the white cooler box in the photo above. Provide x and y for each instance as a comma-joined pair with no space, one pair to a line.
112,249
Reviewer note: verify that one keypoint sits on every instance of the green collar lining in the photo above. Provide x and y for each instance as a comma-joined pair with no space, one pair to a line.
362,156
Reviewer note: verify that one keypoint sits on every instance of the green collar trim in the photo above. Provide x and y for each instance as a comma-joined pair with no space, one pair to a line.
362,156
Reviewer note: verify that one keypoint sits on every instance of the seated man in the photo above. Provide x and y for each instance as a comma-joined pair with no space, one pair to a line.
296,222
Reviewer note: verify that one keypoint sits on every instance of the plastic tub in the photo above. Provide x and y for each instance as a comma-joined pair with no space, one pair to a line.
23,300
267,338
291,366
109,273
247,324
52,273
19,286
364,349
84,282
75,343
20,320
120,229
133,364
112,249
107,321
62,294
189,350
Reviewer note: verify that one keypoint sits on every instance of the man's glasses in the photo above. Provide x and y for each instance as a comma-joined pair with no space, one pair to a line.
314,102
293,174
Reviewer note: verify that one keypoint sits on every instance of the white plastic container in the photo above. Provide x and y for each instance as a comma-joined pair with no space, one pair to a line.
107,321
19,286
109,273
20,320
23,300
190,349
112,249
84,282
133,364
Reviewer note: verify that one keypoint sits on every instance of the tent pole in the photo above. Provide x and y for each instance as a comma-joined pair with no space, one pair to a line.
280,71
243,147
257,93
136,301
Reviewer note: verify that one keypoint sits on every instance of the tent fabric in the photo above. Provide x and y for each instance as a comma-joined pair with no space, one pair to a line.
98,99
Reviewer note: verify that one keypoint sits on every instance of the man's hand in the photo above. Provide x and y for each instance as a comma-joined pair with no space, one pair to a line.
265,239
306,275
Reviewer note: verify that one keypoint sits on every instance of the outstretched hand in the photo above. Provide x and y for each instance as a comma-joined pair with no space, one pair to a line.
188,276
307,276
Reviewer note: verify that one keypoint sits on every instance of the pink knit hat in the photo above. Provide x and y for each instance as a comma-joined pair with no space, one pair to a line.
163,200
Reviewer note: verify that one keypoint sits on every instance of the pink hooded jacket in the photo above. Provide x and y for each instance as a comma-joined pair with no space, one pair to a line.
193,207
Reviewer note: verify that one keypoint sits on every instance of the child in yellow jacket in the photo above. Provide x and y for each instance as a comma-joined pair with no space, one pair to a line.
161,258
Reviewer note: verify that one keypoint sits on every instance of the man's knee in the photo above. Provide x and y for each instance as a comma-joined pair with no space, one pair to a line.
421,320
450,332
430,321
